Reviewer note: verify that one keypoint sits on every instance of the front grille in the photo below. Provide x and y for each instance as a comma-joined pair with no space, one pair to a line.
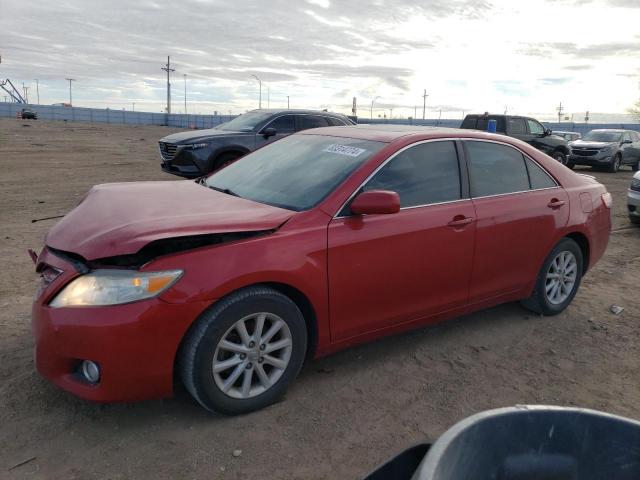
167,150
584,152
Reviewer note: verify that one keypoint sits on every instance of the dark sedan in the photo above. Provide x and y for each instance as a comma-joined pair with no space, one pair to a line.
193,154
606,148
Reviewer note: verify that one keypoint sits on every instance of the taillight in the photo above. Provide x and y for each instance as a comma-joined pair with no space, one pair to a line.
607,200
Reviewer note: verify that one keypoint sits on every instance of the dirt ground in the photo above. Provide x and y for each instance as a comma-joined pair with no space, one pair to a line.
345,414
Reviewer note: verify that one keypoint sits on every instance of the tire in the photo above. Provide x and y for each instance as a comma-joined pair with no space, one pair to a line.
634,220
570,165
559,157
224,160
635,167
203,348
614,166
544,303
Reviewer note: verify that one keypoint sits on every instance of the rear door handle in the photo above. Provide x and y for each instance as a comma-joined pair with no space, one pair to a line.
460,221
555,203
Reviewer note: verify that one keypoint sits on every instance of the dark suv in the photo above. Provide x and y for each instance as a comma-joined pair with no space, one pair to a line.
523,128
195,153
607,148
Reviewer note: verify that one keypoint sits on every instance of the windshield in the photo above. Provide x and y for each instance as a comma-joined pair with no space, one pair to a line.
246,122
602,136
296,172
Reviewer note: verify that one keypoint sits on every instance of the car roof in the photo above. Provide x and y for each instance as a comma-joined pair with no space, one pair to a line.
295,111
389,133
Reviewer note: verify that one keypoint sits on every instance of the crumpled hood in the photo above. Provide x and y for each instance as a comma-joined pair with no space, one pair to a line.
121,218
588,144
195,136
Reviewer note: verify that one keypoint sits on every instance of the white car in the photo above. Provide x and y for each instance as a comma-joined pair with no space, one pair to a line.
633,199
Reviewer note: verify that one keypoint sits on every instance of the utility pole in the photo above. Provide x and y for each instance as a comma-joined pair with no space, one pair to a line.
70,96
134,107
371,110
38,91
287,102
260,84
424,103
506,108
167,68
268,97
560,112
415,111
25,91
185,93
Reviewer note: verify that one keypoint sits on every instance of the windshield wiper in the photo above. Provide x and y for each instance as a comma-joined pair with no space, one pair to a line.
224,190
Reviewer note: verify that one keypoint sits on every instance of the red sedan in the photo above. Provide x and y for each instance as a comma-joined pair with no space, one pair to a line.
321,240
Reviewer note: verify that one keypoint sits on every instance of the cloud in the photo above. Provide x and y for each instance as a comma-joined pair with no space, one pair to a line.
554,81
585,52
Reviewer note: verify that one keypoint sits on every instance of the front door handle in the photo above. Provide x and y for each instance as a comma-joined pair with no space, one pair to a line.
555,203
460,221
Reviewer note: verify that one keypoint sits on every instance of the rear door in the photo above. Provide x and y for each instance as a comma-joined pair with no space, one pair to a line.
385,270
306,122
628,150
519,208
517,128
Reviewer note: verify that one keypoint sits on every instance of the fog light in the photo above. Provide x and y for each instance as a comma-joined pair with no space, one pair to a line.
90,371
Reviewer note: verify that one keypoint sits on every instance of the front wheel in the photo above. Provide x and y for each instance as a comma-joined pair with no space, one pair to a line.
242,354
558,280
224,160
614,166
559,157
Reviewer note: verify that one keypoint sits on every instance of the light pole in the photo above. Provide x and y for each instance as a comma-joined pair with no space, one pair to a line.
268,96
287,102
38,91
260,84
185,93
70,97
371,110
424,103
134,107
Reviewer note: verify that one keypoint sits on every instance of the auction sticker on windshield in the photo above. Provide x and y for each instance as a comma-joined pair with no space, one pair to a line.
344,150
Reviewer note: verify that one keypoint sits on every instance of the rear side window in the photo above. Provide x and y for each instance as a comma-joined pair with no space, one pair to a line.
334,122
284,124
626,136
423,174
635,137
469,122
538,177
517,126
312,121
495,169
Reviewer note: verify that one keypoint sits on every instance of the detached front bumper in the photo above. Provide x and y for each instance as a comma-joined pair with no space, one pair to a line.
134,344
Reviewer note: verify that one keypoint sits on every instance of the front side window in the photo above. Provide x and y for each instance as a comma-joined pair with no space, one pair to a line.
312,121
284,124
495,169
535,128
626,136
296,172
423,174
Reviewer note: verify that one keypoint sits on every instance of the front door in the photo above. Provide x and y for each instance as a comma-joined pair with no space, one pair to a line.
385,270
284,125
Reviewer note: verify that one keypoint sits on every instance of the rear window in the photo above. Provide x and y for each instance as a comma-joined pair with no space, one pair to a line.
482,122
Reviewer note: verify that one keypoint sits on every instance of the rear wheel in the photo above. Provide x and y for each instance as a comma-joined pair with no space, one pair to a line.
635,166
558,279
242,354
614,166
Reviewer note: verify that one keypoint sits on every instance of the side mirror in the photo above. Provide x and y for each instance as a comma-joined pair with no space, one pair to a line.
376,202
547,132
268,132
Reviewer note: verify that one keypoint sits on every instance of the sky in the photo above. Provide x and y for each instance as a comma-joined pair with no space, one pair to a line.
523,57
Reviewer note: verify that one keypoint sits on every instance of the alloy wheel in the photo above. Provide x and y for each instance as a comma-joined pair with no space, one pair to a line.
252,355
561,277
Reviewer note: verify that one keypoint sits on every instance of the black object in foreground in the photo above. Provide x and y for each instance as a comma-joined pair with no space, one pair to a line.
526,443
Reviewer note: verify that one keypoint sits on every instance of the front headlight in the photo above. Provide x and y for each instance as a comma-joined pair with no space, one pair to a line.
608,148
113,287
195,146
635,184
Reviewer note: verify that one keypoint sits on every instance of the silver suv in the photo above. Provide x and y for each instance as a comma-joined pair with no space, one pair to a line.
192,154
